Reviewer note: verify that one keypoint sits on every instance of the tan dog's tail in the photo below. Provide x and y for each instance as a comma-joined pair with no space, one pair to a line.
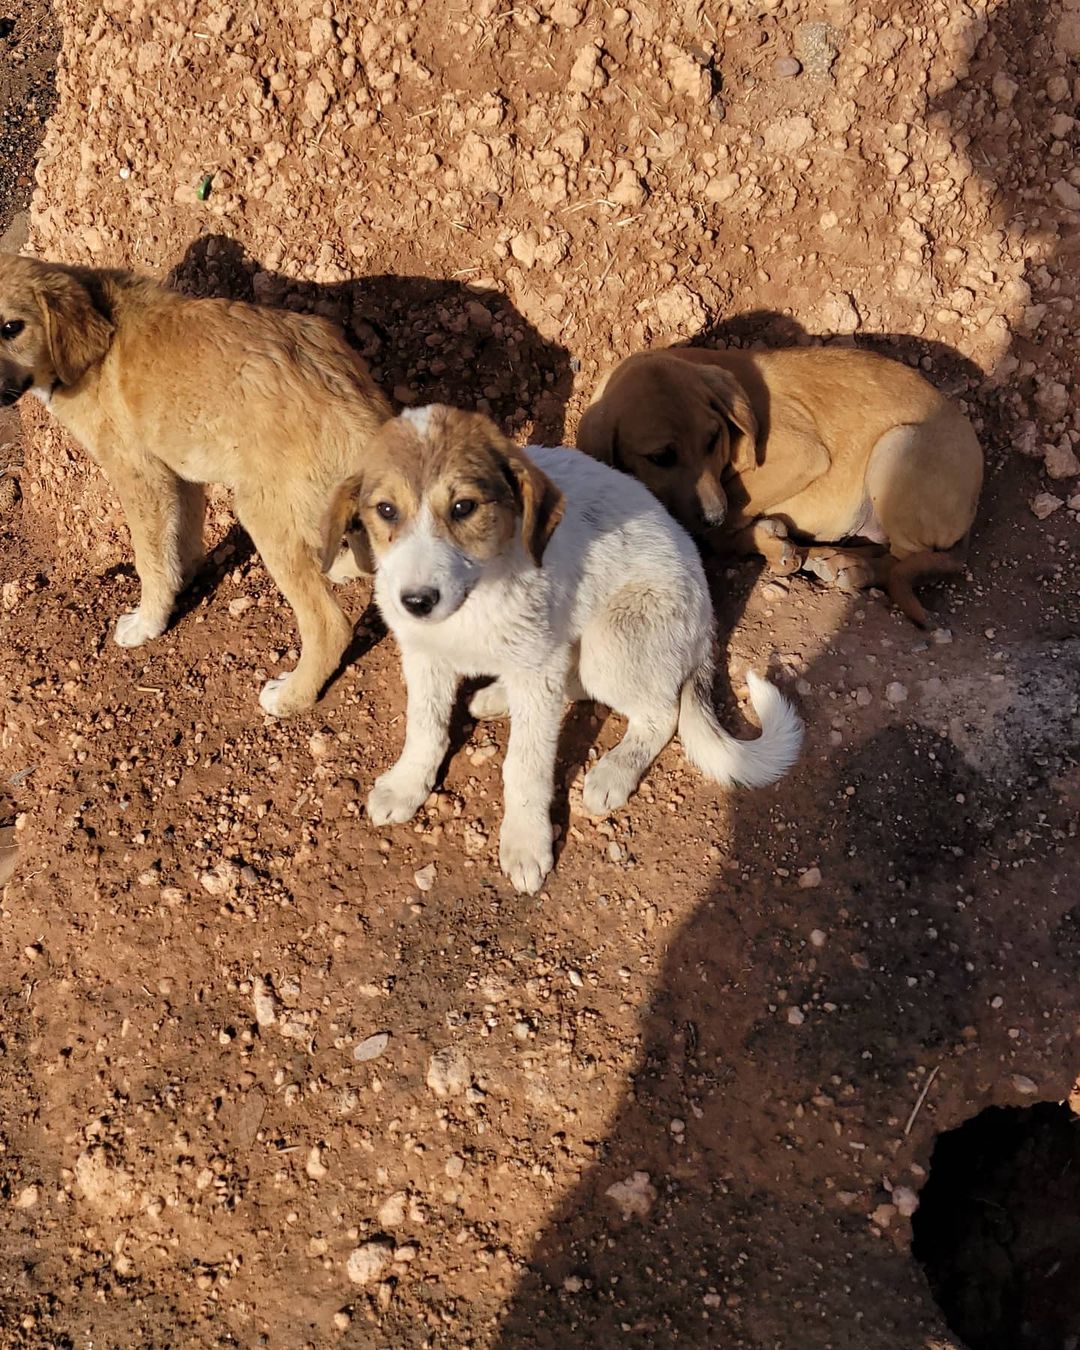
718,754
905,572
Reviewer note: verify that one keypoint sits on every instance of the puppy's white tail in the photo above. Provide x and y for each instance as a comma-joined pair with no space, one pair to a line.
718,754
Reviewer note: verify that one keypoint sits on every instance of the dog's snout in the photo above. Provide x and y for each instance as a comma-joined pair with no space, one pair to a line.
11,393
711,499
420,601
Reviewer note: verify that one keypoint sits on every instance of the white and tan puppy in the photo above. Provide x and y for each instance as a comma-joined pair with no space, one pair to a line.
168,394
562,578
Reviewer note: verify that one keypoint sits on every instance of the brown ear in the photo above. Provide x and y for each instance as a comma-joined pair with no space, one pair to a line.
596,433
77,332
342,519
540,501
728,398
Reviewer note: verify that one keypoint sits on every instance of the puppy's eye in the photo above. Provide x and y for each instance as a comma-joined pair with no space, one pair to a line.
387,510
11,329
664,459
462,508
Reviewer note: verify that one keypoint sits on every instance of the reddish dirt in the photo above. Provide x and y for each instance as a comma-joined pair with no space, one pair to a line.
676,1003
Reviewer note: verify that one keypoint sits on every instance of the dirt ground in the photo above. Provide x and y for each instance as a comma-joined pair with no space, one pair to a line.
689,1094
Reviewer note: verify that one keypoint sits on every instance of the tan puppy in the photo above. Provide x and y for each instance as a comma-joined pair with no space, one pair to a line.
167,394
829,444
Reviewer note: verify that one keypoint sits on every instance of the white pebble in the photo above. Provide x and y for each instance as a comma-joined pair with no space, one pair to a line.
372,1047
265,1003
810,880
796,1016
368,1262
895,693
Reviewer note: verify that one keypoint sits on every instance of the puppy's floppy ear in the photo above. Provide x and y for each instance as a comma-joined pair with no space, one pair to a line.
342,517
77,332
596,433
539,500
728,398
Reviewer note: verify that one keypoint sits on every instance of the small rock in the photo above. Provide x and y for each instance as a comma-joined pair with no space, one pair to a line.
817,45
573,1284
1004,88
786,67
817,938
810,880
372,1047
883,1215
27,1197
1025,1085
566,14
425,878
316,100
1044,504
796,1017
315,1167
222,880
319,745
614,852
587,73
392,1210
455,1165
905,1200
895,693
1060,461
634,1196
342,1320
1052,398
863,697
240,605
404,1254
628,191
1067,195
265,1003
449,1072
367,1262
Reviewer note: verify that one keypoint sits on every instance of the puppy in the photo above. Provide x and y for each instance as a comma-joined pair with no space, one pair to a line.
827,444
565,580
168,394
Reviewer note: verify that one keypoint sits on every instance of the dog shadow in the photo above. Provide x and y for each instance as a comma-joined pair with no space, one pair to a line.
425,339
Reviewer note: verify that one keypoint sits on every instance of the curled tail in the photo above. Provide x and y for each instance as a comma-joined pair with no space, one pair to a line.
721,756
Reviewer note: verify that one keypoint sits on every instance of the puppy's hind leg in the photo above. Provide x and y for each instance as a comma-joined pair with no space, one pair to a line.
150,494
324,629
632,667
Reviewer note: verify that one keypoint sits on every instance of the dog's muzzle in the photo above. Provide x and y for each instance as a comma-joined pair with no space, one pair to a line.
11,393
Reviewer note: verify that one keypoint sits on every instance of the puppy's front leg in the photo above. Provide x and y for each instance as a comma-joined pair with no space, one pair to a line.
157,515
536,705
400,792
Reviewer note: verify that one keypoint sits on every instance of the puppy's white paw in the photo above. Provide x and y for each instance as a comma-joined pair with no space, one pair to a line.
489,702
133,629
525,856
607,787
395,798
280,697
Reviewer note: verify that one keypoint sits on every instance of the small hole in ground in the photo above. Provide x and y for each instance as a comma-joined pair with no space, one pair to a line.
998,1228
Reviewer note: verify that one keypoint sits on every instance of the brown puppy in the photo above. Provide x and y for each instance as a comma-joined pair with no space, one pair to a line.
168,394
829,444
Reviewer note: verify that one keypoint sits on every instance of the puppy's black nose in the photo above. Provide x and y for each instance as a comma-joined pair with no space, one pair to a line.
421,601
